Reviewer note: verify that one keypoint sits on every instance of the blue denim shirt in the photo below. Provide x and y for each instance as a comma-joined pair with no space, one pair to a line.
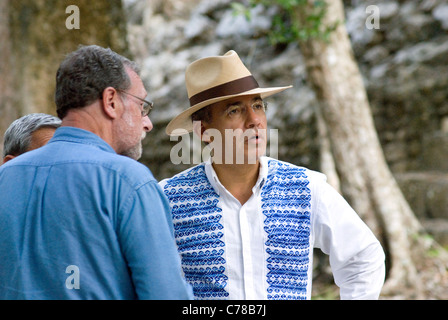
78,221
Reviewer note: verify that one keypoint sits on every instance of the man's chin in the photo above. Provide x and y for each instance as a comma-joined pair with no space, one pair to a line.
134,152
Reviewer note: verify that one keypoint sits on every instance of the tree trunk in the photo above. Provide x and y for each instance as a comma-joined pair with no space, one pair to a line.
327,165
366,181
34,40
7,111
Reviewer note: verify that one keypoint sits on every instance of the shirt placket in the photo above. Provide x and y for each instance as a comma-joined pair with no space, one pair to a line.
247,255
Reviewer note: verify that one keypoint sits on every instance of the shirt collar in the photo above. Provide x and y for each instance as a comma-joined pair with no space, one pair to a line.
216,184
77,135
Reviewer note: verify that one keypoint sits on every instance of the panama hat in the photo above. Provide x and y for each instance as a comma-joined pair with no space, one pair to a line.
213,79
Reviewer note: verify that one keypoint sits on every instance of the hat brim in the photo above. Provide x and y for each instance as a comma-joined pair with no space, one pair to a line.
183,124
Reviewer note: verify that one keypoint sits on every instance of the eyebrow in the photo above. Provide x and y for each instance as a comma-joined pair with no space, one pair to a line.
238,103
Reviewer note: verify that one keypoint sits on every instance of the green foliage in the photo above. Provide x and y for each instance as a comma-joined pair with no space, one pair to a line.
285,26
240,9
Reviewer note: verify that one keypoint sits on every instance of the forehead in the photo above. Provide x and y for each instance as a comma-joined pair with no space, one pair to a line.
40,137
236,100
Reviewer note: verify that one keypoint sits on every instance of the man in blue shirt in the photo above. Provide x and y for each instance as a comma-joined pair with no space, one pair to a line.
77,220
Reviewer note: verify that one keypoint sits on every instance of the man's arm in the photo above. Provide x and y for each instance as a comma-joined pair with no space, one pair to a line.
356,256
147,239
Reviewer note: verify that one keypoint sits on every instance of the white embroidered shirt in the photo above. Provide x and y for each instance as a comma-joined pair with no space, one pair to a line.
250,258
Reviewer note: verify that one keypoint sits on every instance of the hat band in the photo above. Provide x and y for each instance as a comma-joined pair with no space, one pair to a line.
225,89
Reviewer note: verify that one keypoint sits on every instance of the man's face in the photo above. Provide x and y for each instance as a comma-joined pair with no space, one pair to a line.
241,123
132,127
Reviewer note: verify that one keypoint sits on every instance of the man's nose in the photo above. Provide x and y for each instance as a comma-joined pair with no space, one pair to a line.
252,118
147,124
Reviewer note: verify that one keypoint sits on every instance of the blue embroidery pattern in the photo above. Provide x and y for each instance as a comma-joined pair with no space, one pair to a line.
198,232
286,203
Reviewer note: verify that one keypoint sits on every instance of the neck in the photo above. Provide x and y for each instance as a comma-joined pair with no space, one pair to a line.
88,118
238,179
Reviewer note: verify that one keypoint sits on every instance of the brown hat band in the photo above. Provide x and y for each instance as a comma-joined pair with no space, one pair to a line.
233,87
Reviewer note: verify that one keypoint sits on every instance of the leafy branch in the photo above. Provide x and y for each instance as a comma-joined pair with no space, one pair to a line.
286,28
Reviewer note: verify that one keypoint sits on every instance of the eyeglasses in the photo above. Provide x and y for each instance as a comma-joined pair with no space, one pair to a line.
147,105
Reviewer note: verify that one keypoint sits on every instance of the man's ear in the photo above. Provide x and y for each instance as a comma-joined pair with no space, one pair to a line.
201,131
7,158
111,102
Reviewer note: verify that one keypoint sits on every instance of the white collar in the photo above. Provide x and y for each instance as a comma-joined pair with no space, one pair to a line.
217,185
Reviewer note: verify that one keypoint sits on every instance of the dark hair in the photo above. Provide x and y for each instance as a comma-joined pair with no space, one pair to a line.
85,73
203,114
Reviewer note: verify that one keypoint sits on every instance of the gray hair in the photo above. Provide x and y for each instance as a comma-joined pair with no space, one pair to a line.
85,73
17,137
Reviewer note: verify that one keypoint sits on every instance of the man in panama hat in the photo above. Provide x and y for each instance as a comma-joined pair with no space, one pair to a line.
246,224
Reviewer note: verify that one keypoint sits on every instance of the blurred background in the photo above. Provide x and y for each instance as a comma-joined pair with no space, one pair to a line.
404,65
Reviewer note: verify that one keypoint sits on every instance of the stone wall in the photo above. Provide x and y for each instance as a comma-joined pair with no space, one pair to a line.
404,64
